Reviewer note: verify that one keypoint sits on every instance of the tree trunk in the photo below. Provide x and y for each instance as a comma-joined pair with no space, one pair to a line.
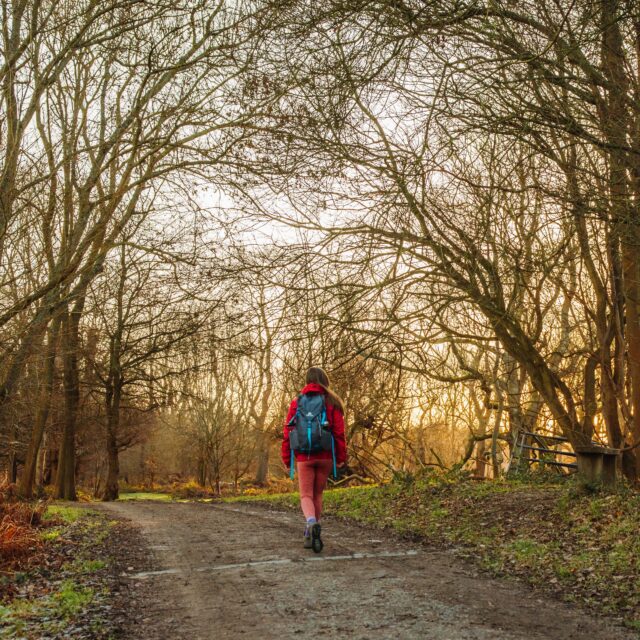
27,480
495,463
113,397
262,471
12,467
624,214
552,389
202,469
43,456
631,272
65,477
481,463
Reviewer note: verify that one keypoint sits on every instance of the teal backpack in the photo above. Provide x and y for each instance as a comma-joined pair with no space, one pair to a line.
309,429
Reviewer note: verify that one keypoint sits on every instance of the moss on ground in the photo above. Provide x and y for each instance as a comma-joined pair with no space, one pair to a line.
582,546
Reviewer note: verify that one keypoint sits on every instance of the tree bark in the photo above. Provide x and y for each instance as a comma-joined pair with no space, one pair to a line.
27,480
624,213
65,477
262,471
481,463
113,398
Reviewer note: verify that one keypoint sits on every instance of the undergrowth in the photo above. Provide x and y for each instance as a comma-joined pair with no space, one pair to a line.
42,596
19,524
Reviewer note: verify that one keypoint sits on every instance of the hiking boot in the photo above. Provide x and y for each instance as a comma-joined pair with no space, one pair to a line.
307,538
316,541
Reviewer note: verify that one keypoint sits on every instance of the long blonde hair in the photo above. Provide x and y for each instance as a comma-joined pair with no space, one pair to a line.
317,375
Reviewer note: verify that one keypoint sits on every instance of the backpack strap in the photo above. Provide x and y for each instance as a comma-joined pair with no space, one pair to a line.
295,415
323,416
292,463
333,457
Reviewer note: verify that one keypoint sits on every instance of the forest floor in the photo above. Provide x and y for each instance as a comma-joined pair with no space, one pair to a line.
70,585
407,560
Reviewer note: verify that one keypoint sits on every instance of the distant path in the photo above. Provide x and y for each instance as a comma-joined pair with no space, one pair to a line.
239,571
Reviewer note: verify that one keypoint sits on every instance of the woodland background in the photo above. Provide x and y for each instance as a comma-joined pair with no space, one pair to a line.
435,201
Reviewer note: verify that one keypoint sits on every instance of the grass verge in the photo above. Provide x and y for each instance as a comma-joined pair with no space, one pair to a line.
146,495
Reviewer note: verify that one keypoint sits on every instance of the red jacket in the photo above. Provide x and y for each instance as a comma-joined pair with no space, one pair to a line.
336,421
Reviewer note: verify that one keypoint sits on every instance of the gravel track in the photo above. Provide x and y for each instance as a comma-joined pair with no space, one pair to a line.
222,572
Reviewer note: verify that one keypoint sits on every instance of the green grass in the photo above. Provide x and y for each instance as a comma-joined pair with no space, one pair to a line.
356,498
50,535
56,609
71,599
634,624
142,495
66,513
526,552
86,567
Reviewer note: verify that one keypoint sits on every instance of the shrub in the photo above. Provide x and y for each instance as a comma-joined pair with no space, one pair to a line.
18,523
190,490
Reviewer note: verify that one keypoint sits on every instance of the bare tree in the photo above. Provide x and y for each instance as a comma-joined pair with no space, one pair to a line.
142,100
421,145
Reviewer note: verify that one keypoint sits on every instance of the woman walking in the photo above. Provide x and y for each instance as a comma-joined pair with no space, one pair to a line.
314,436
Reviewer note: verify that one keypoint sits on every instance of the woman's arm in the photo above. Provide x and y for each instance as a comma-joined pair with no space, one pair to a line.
338,436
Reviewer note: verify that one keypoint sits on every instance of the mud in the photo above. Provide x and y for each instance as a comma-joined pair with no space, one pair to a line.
218,572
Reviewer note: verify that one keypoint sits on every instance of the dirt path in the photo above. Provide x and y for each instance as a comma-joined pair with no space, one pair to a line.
238,571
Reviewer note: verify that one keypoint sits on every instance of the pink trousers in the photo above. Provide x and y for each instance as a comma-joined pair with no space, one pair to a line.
312,479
